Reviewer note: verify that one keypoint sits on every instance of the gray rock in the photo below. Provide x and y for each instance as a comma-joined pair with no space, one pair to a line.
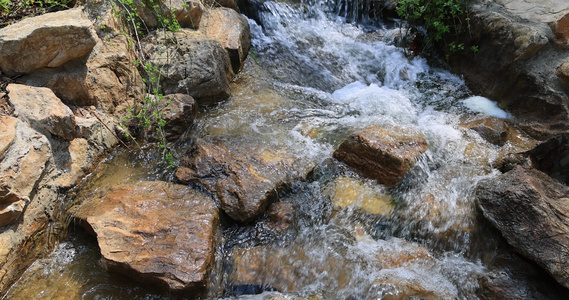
189,63
49,40
531,210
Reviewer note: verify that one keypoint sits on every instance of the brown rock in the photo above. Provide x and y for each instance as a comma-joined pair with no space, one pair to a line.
231,29
194,65
10,212
7,133
106,79
155,231
23,165
385,155
281,215
562,29
563,71
531,211
492,129
43,109
77,161
245,179
49,40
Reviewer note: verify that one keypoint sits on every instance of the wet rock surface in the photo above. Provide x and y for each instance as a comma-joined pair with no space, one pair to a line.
524,77
530,210
49,40
155,231
245,179
383,154
492,129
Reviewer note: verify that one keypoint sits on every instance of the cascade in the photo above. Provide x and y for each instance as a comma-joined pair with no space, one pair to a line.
318,72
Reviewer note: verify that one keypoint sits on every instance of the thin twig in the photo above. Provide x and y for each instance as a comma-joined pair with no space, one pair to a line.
112,132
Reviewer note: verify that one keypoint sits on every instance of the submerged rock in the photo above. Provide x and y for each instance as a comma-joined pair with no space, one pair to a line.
48,40
531,210
245,179
352,192
155,231
383,154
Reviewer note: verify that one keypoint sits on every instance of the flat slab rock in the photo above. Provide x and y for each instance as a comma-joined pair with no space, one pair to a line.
531,210
49,40
383,154
155,231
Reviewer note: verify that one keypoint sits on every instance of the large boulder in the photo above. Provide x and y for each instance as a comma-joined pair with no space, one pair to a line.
43,110
243,177
155,231
49,40
517,61
231,29
383,154
106,78
531,210
189,63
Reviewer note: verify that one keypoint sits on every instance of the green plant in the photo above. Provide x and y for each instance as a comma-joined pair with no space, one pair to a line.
148,115
443,20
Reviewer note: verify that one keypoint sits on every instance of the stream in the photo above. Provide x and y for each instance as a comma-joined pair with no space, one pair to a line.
315,76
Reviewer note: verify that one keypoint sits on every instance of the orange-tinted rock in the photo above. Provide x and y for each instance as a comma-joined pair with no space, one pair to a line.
231,30
492,129
7,133
562,29
24,166
155,231
43,110
49,40
383,154
107,79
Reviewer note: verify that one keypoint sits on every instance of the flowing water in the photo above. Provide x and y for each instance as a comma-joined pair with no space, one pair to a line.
315,76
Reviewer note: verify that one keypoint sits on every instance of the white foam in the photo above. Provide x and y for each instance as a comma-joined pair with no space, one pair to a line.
485,106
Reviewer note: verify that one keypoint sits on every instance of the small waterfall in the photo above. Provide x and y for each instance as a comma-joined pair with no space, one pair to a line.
319,71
